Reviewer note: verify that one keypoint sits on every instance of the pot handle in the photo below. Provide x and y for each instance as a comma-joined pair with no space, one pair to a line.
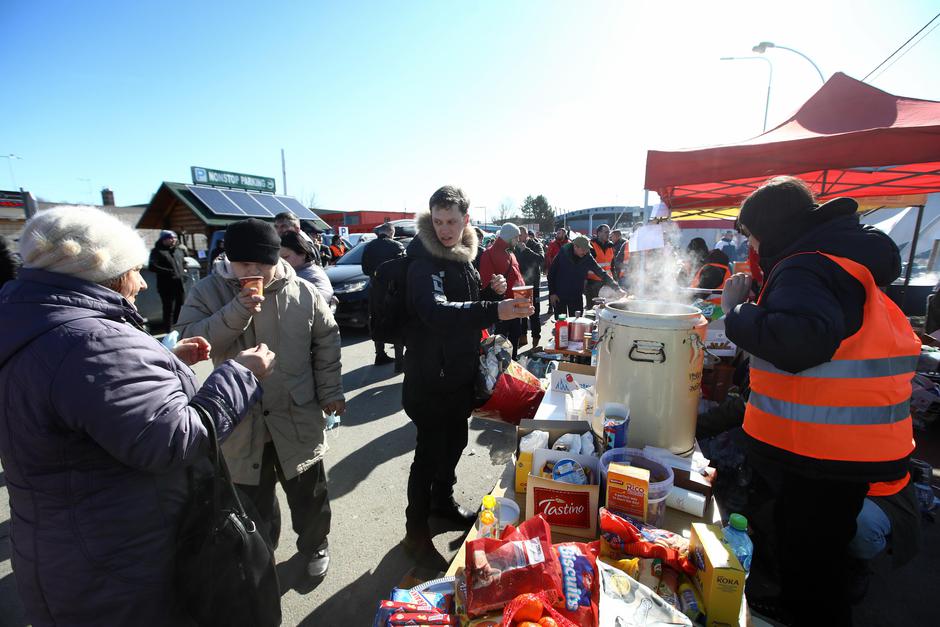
647,351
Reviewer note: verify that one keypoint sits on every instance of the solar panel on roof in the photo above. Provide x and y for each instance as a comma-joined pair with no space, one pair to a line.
216,201
248,204
269,202
299,210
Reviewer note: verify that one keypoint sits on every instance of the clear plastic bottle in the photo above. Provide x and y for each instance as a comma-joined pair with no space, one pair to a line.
488,519
735,533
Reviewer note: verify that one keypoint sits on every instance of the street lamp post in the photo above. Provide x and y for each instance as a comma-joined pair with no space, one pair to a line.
761,48
770,78
10,157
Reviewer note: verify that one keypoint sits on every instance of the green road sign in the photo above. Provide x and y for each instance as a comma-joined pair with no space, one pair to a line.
221,178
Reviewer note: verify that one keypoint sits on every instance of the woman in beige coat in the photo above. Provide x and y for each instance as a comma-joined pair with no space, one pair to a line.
283,437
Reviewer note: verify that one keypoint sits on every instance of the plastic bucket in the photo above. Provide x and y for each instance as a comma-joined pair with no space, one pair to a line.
661,479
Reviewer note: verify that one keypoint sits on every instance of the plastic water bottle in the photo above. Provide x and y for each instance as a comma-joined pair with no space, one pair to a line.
488,520
735,533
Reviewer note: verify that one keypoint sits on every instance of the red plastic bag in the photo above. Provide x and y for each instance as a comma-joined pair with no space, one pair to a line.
517,396
580,590
509,614
625,538
499,570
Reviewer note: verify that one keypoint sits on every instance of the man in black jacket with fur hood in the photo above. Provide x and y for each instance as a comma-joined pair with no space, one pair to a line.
448,311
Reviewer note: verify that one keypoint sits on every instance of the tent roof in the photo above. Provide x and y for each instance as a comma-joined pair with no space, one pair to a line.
848,139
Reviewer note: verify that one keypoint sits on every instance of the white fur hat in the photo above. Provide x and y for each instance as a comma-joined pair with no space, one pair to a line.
83,242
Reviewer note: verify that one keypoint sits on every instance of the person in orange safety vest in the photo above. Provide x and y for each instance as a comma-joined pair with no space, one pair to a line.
831,369
602,249
337,249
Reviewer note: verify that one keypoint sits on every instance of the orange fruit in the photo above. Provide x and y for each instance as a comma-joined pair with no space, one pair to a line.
530,610
527,623
547,621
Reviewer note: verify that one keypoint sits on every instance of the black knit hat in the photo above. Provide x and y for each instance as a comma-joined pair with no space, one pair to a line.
252,240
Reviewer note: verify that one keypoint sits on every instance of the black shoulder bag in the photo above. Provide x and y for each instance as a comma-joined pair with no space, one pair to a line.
225,570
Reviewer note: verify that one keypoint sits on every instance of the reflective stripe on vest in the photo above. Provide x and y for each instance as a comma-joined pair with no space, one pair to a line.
856,407
604,258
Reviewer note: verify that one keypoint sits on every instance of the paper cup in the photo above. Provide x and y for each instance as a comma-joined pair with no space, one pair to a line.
256,282
522,291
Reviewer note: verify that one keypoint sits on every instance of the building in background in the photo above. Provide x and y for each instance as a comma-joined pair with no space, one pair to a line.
586,220
360,221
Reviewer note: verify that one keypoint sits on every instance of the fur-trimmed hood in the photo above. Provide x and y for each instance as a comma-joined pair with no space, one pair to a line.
427,244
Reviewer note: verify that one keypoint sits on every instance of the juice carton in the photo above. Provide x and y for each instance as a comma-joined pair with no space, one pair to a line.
628,490
720,576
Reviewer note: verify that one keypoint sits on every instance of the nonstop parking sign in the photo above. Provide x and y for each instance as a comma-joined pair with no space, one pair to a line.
236,180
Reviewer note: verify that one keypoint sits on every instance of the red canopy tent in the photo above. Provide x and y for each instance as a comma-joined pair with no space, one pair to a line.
848,139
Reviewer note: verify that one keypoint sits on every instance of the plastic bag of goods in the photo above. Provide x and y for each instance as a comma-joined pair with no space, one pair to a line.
497,571
625,602
620,537
579,586
506,390
533,610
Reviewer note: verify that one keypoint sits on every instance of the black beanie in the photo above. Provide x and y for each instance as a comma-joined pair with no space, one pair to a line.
252,240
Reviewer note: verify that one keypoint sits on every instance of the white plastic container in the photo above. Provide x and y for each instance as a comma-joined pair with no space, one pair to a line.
650,359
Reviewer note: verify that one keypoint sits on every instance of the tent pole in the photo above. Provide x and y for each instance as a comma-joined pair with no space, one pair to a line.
913,253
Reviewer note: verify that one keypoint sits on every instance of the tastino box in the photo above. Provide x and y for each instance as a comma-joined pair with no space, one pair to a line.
719,578
569,508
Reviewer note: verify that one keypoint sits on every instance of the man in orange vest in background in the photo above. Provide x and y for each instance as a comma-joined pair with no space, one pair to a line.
337,248
602,249
831,369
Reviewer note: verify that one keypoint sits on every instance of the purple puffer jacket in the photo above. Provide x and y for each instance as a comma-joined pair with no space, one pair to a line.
96,434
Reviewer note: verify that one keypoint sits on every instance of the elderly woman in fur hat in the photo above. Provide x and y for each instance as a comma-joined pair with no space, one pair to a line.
98,425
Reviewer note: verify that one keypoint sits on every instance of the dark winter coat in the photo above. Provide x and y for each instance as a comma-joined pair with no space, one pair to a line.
809,306
8,263
97,430
568,272
169,264
378,251
447,316
531,258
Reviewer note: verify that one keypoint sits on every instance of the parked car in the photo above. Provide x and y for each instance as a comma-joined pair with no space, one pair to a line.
148,301
351,287
403,228
356,238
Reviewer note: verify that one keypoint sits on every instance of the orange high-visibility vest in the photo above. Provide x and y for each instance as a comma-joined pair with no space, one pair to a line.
698,275
624,258
338,251
714,299
604,258
888,488
853,408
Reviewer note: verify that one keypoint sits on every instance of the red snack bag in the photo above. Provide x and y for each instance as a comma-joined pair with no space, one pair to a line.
401,606
626,538
520,610
420,618
579,586
499,570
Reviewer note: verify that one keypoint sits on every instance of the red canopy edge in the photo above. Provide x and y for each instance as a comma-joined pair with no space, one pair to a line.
848,139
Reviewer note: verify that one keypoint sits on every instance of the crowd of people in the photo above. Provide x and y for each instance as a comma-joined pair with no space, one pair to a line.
102,424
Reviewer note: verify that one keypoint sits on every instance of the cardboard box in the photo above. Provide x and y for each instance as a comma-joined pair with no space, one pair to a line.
564,381
567,366
719,578
692,481
627,490
570,509
555,429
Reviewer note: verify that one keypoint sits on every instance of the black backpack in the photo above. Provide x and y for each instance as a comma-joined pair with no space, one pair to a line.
388,310
225,571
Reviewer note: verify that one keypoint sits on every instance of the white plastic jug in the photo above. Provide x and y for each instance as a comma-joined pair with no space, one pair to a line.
650,359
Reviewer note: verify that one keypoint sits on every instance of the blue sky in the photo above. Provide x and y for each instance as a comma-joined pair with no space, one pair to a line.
377,104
